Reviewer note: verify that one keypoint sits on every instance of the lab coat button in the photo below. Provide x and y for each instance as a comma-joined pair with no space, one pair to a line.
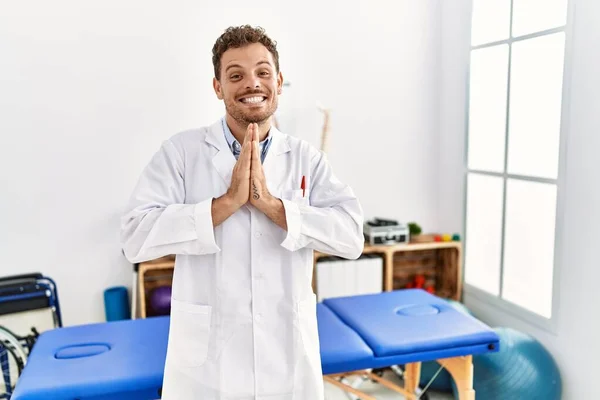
258,317
257,235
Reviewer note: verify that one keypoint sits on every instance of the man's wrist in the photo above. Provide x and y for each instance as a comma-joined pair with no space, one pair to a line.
275,210
274,203
230,203
269,204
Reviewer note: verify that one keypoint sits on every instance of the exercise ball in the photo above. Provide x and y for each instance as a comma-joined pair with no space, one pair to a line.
522,369
442,382
160,300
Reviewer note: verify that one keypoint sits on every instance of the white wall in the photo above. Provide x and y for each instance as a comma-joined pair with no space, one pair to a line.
375,65
89,90
574,344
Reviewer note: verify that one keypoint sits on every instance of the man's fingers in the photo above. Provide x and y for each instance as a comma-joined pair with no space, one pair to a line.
248,137
255,156
256,163
256,137
246,155
249,133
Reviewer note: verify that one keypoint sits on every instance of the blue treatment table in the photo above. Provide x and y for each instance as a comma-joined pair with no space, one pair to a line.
404,327
115,360
125,359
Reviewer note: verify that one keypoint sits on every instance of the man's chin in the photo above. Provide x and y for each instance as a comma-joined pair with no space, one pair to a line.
255,117
250,116
257,120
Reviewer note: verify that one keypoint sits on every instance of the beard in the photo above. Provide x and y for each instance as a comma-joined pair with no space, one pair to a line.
249,115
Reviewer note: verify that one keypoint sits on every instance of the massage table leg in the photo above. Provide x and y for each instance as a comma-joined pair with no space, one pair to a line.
412,376
461,369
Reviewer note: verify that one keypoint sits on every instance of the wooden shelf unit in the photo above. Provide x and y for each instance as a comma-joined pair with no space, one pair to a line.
439,262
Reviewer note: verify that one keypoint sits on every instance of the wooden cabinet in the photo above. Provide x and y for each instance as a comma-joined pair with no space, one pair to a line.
440,263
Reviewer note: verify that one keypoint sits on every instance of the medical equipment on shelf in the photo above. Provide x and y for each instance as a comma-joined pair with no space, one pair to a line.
385,231
125,359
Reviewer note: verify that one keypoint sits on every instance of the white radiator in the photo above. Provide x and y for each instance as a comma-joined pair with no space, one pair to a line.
337,277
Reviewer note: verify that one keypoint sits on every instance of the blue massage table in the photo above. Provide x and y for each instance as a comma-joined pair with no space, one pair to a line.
125,359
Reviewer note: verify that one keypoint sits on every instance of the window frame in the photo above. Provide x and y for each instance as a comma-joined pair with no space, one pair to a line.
497,301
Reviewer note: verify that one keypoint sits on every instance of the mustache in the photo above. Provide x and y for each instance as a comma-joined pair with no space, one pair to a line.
255,91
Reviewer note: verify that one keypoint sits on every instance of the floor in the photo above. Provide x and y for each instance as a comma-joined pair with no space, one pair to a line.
378,391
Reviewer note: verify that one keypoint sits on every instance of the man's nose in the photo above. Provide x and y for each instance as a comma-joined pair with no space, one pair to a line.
252,82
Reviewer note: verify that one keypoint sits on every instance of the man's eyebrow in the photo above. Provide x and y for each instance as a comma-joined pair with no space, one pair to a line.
232,66
239,66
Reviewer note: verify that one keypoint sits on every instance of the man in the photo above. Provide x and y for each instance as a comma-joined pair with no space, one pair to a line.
242,206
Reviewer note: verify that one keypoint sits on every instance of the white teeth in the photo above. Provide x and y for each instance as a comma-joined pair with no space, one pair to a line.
253,100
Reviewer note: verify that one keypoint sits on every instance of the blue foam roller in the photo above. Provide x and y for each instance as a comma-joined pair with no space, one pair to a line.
116,303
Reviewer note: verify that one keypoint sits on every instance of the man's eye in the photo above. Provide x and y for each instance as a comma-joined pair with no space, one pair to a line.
264,73
236,76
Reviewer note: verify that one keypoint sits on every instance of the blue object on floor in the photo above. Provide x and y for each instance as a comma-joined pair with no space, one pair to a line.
116,304
523,369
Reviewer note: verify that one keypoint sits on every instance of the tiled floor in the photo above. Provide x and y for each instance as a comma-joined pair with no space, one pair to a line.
378,391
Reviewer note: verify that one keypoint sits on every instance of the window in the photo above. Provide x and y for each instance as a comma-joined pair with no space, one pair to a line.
513,150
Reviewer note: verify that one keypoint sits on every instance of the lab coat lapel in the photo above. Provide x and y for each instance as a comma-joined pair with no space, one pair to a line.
223,160
275,165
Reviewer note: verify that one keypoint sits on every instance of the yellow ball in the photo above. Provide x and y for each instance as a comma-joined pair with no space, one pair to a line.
446,237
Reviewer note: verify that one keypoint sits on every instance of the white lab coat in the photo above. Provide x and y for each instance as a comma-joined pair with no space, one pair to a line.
243,314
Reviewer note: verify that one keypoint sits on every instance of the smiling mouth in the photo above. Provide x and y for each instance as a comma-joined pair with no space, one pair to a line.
253,100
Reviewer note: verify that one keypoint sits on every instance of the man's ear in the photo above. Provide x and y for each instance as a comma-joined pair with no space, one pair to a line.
279,82
218,88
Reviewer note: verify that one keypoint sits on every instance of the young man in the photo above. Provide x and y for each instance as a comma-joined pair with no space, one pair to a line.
242,206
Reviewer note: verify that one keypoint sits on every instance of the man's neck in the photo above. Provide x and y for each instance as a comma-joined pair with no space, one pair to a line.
239,129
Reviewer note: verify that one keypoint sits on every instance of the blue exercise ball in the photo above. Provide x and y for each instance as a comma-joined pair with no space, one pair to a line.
521,369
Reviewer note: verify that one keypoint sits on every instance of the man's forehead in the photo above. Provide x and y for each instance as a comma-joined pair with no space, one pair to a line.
249,55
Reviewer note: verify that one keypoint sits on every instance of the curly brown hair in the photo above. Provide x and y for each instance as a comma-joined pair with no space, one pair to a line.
240,36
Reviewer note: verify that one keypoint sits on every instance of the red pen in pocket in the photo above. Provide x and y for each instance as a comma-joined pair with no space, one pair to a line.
303,185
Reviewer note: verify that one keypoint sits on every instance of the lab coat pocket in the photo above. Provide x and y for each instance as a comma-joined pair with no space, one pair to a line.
189,333
296,195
